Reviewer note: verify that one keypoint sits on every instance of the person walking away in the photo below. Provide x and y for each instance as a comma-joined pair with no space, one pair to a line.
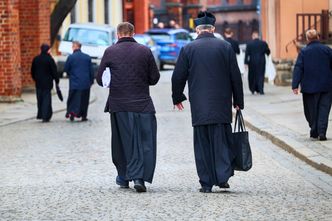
228,33
133,122
312,72
255,61
79,68
44,72
209,65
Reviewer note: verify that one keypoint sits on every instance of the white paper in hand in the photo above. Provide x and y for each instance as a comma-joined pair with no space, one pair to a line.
106,78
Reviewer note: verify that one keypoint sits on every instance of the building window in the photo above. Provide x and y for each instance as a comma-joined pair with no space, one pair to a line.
106,8
90,10
73,15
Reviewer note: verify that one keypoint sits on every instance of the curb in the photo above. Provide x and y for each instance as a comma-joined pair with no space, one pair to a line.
282,144
31,118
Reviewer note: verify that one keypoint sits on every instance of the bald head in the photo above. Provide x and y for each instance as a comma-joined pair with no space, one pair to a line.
312,35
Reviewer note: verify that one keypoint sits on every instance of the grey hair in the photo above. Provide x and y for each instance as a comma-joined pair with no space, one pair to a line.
77,43
205,27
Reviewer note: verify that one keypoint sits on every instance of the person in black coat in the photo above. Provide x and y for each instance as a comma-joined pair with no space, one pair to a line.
79,68
255,59
228,33
44,71
133,122
210,67
313,72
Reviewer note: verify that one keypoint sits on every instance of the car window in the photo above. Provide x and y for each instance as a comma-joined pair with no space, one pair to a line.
182,36
160,36
87,36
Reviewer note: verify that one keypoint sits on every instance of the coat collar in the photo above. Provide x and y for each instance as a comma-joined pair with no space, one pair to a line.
313,42
126,39
77,50
205,35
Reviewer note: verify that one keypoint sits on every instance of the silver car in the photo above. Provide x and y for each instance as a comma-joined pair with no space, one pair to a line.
94,39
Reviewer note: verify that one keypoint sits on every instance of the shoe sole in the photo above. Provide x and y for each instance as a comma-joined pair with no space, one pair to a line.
140,188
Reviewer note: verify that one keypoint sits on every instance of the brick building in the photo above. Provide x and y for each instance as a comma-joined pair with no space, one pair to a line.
23,28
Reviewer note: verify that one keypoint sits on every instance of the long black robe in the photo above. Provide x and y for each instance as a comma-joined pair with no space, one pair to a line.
134,144
78,103
44,104
255,59
213,155
210,67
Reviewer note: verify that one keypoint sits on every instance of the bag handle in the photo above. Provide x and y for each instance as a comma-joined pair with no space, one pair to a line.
239,122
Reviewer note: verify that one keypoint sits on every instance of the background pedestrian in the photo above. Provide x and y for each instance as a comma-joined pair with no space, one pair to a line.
313,74
255,61
44,71
79,68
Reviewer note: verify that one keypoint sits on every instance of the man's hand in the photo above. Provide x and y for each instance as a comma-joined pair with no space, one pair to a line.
179,106
237,107
296,91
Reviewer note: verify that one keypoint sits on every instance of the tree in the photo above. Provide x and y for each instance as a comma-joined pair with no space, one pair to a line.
60,12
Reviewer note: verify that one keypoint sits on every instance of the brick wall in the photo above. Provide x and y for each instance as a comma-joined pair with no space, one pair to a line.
10,59
24,26
34,30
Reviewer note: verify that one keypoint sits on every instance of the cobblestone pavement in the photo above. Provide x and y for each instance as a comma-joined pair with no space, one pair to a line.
63,171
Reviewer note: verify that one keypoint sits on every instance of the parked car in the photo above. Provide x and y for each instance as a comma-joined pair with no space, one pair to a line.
193,35
170,42
146,40
94,39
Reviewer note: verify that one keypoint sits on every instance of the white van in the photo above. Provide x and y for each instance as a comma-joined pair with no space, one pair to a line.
94,39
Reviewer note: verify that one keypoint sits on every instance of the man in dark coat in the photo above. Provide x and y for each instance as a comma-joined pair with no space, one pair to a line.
228,33
79,68
133,122
44,71
210,67
313,72
255,59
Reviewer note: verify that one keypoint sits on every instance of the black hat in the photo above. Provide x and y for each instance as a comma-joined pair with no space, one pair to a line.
205,18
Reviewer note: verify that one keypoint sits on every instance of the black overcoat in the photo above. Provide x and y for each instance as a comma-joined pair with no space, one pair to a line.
209,64
235,45
255,59
44,71
313,69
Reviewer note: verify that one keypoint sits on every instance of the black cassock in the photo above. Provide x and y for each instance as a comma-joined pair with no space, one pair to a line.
210,67
213,155
255,59
134,144
44,104
78,103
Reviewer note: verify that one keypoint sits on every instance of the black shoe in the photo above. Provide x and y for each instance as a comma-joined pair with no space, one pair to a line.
71,117
84,119
122,182
139,186
224,185
205,189
322,137
46,120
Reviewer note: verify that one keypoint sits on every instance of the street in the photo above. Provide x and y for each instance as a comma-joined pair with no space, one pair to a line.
63,171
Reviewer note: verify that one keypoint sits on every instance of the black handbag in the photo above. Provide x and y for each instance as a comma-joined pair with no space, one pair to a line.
241,146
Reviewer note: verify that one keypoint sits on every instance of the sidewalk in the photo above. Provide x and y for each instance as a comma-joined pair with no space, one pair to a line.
278,115
27,109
